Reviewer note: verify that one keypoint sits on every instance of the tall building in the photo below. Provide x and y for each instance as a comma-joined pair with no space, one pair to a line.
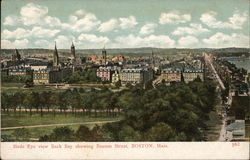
104,56
73,51
55,58
16,56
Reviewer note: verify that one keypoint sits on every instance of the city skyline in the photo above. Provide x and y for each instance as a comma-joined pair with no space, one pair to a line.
120,24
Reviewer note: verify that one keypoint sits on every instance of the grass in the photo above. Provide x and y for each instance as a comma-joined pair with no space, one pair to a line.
24,119
12,85
36,133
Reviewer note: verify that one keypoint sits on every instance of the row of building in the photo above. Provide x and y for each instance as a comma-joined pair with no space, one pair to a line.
169,75
236,78
128,75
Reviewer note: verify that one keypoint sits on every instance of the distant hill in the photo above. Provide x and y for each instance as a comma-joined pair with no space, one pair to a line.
130,51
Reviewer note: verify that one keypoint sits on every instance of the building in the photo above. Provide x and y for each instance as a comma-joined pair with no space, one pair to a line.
171,75
115,77
55,58
16,56
104,57
135,76
46,76
119,58
104,73
73,51
190,75
38,67
19,71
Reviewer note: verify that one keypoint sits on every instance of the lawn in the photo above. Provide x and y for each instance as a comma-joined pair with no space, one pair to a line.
24,119
36,133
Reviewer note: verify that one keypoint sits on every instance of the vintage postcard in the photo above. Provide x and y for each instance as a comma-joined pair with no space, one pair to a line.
125,79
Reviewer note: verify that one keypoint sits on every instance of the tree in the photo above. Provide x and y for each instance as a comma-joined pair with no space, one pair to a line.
21,134
59,134
160,132
118,84
128,134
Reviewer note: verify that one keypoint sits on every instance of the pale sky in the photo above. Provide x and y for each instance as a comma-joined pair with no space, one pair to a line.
124,23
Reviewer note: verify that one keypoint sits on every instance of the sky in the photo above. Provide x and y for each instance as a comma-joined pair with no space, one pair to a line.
124,23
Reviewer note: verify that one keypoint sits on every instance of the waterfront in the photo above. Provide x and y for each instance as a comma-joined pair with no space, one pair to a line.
240,62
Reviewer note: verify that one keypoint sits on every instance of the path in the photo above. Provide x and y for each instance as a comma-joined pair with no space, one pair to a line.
208,59
60,124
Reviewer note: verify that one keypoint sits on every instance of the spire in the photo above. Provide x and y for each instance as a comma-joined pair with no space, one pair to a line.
73,52
55,57
55,46
18,55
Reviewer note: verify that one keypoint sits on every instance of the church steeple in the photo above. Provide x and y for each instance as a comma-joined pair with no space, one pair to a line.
73,51
104,56
18,56
55,57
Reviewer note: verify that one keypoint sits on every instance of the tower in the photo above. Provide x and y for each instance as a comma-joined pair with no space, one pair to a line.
55,57
73,51
152,59
104,56
18,56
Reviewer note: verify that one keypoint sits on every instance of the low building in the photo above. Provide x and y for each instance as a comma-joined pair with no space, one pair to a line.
38,67
104,73
171,75
19,71
115,77
190,75
135,76
46,76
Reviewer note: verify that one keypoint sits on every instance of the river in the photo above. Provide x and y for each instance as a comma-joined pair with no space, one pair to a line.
240,62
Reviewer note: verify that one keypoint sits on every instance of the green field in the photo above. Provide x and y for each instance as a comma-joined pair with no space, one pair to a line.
14,120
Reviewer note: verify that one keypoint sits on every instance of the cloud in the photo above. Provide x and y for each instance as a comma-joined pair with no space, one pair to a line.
33,13
86,24
93,38
11,21
161,41
194,29
129,22
108,25
63,41
39,32
174,17
234,22
19,33
43,43
35,32
15,44
148,28
223,40
80,12
52,21
187,41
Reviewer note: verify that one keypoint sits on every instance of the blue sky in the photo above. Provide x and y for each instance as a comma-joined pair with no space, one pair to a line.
125,23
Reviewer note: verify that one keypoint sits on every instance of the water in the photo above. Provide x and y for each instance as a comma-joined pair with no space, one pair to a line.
240,62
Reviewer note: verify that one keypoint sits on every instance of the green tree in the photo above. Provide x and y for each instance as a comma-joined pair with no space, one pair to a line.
21,134
160,132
